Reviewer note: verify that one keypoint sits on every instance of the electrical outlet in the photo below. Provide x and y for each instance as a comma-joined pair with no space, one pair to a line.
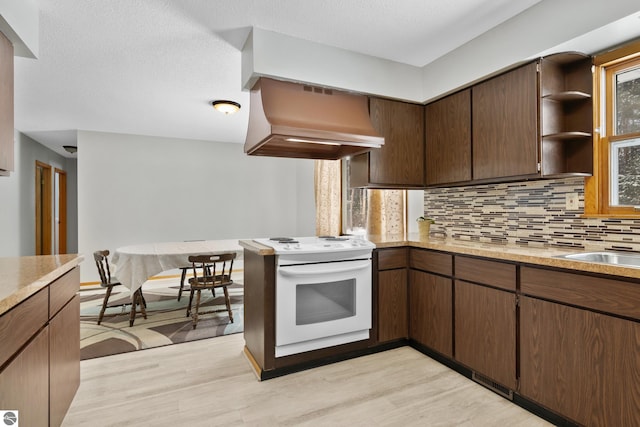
571,202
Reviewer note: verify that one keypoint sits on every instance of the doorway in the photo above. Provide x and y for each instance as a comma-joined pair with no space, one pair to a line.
44,222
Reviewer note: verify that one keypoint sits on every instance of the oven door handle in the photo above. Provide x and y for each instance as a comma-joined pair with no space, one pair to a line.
285,272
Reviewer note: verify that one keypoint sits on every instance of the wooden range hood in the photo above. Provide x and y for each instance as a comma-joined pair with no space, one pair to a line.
301,121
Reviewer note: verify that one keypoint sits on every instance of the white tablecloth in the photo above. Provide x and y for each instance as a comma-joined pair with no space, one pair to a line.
135,264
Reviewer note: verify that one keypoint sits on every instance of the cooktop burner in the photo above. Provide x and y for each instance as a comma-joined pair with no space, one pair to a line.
283,239
321,244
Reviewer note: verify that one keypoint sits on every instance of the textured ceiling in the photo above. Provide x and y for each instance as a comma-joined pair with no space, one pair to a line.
151,67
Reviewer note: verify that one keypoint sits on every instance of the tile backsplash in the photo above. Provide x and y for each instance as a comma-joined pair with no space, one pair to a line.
531,213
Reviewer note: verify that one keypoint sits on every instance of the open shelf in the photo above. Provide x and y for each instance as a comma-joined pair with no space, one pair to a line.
569,95
567,135
566,114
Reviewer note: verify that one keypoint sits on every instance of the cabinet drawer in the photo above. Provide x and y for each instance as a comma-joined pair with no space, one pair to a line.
62,290
492,273
392,258
434,262
19,324
607,295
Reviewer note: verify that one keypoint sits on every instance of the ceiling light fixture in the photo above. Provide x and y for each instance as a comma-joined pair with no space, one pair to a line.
70,148
226,107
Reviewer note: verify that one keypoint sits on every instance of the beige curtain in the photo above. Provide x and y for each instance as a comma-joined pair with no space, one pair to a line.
328,197
386,212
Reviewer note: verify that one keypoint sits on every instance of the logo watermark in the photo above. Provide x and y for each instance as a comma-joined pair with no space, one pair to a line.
9,418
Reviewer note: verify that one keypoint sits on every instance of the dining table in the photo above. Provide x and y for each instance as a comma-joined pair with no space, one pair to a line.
135,264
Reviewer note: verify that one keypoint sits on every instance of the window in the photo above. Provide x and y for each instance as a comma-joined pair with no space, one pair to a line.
614,189
354,204
372,212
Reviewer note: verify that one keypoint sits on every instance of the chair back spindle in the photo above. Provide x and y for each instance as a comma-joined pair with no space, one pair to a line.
102,263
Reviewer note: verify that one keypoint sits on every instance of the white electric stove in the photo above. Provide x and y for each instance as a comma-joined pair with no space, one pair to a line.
323,291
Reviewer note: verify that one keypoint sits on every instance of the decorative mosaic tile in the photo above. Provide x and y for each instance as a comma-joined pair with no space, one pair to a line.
529,213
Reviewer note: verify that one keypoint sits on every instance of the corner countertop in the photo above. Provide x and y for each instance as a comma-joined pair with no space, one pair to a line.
515,253
523,254
21,277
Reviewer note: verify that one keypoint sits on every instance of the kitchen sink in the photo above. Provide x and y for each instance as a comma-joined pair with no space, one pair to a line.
614,258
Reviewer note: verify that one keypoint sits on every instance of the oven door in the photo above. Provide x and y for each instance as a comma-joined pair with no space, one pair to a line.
322,304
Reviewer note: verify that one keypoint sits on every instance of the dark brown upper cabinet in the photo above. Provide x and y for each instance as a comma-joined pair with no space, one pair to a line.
448,139
505,125
400,161
6,105
534,121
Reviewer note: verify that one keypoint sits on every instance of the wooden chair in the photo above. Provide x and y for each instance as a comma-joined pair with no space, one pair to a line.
183,278
183,274
108,282
215,273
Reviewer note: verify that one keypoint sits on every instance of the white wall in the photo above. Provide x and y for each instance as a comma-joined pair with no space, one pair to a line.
271,54
548,26
140,189
17,192
415,209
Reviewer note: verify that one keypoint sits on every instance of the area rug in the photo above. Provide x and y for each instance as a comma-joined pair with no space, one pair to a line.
166,321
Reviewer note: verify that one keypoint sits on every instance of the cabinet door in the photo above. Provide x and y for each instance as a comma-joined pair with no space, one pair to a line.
24,383
505,124
485,331
400,161
6,105
64,351
581,364
430,311
448,139
392,305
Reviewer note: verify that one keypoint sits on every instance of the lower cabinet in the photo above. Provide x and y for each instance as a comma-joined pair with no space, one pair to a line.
392,298
485,331
430,311
576,359
24,383
392,305
485,318
567,342
40,353
581,364
64,354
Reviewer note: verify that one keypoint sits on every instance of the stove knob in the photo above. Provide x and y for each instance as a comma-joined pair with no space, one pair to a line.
298,246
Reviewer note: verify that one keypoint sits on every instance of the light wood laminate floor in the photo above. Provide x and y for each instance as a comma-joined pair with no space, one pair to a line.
210,383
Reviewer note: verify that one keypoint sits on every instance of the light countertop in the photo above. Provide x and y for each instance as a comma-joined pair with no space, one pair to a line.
21,277
515,253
